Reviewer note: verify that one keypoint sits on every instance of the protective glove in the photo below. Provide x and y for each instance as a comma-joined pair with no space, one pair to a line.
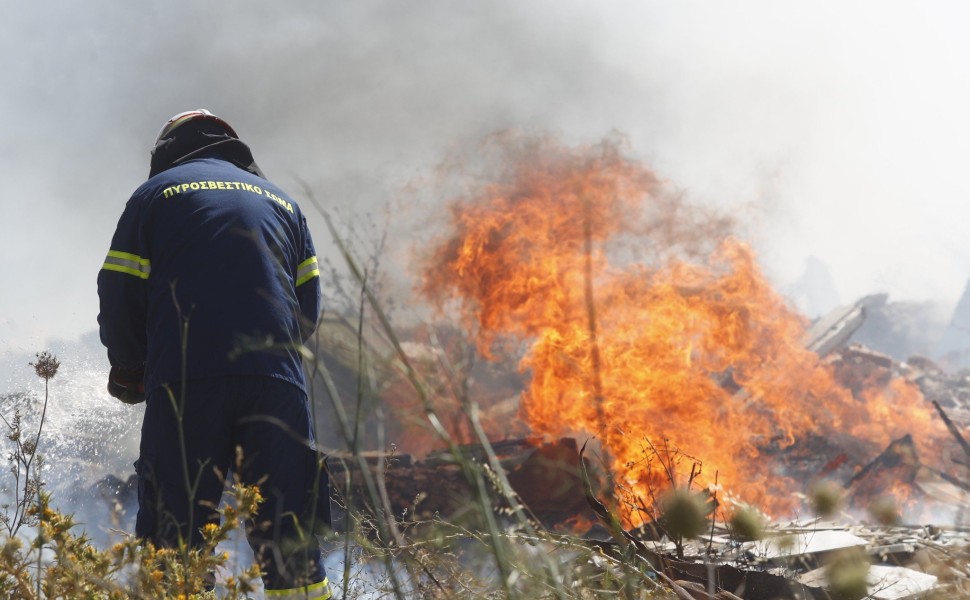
127,384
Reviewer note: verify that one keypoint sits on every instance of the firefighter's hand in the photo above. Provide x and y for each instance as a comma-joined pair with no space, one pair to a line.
127,384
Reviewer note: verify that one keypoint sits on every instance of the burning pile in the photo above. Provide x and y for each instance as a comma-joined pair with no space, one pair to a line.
648,322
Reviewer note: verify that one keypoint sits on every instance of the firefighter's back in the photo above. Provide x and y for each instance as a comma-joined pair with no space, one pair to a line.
225,245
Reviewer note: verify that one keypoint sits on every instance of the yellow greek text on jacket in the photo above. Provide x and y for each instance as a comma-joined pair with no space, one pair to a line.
126,262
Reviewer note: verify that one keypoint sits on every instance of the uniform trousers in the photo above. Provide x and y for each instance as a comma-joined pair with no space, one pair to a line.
259,428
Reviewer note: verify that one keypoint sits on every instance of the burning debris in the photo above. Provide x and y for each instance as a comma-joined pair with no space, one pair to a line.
646,321
646,325
544,476
792,560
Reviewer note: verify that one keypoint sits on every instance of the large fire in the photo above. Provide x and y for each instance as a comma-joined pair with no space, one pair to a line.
648,324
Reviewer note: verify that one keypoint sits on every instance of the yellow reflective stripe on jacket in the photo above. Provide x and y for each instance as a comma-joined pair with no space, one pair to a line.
307,270
125,262
317,591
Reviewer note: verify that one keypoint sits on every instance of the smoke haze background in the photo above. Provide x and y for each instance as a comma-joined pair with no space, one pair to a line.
837,130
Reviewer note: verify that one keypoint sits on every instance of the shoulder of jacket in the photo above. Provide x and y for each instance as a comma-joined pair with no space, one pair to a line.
146,190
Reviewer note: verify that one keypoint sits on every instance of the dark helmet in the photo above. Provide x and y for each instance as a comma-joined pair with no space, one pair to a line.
187,117
193,133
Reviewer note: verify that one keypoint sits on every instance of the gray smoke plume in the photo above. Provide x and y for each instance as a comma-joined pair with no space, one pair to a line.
835,128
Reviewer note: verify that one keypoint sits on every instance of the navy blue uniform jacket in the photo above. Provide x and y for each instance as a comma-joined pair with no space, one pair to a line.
212,264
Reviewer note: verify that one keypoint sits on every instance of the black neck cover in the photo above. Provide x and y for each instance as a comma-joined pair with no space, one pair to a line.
198,139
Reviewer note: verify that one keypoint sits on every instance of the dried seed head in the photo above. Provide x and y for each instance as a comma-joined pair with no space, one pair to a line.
885,510
46,365
826,499
748,524
847,573
685,513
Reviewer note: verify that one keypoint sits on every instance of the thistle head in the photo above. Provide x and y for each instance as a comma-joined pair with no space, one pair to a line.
46,365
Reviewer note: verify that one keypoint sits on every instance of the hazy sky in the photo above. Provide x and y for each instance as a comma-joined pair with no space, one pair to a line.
838,130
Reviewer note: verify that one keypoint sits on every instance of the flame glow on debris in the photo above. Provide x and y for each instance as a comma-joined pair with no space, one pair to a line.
648,322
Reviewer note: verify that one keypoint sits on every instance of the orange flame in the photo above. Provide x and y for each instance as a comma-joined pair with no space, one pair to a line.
637,331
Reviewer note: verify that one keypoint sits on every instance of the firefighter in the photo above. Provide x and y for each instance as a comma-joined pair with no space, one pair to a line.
209,289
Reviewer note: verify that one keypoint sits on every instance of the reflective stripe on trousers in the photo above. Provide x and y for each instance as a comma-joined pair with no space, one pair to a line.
316,591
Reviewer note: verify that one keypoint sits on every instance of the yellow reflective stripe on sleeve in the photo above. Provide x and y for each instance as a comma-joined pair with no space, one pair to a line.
307,270
317,591
126,262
